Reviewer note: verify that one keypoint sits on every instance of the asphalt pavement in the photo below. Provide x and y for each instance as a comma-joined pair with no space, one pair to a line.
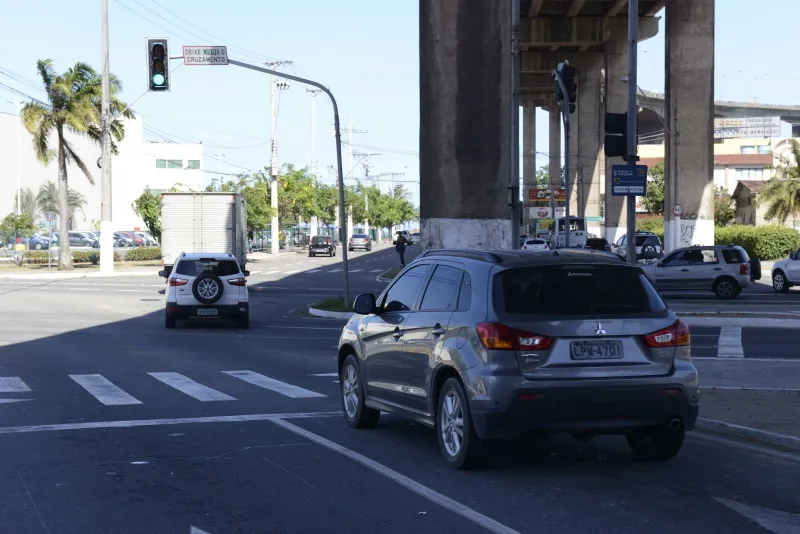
109,423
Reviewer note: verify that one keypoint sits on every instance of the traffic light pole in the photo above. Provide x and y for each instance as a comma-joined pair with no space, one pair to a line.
633,39
337,129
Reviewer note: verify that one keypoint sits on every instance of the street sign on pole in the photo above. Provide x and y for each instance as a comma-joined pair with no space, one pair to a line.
629,180
677,209
205,55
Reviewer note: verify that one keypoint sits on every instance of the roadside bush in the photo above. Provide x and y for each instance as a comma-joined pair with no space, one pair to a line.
35,256
81,256
144,254
763,242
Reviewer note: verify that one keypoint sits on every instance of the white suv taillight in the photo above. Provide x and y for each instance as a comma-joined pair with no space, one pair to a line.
237,281
178,281
743,268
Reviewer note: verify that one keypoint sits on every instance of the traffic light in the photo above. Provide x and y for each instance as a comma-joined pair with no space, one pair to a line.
616,141
567,74
158,64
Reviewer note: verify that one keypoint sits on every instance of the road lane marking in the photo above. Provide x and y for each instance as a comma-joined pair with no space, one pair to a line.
163,422
272,271
423,491
356,270
105,391
313,271
13,384
730,342
186,385
376,270
195,530
287,390
293,271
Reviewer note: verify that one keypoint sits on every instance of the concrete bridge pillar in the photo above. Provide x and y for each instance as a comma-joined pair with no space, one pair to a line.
555,148
589,137
689,109
465,123
528,159
616,66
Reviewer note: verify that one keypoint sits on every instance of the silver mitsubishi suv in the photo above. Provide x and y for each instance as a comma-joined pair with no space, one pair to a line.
504,344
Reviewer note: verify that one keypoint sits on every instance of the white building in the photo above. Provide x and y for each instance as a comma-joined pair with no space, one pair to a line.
140,164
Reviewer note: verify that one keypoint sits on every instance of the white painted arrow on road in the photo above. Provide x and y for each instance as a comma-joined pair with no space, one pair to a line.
195,530
772,520
9,401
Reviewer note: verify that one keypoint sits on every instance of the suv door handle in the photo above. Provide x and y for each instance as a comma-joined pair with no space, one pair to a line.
437,330
684,270
717,268
397,333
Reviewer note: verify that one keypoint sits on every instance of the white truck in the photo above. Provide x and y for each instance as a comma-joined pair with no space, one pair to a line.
202,222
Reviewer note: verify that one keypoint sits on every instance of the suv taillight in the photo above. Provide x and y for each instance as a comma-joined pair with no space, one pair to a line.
676,335
743,268
178,281
497,336
237,281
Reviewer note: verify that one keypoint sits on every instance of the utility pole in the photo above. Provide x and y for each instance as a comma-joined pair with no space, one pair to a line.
274,85
633,39
106,224
350,131
19,160
367,166
314,162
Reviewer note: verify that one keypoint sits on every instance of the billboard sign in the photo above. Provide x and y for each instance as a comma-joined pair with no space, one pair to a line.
743,127
545,212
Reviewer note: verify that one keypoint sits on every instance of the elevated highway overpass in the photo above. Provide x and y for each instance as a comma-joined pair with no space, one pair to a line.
465,101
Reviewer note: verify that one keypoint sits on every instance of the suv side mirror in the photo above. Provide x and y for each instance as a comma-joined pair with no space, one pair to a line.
163,273
364,304
246,273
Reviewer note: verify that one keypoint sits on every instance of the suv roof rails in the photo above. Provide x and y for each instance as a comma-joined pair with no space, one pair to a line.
464,253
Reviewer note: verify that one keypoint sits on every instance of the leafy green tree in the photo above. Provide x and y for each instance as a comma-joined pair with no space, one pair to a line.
782,193
296,198
327,200
724,210
400,209
543,176
74,106
14,225
255,189
148,207
654,196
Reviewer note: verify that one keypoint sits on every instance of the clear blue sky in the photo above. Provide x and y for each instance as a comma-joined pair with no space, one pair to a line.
365,51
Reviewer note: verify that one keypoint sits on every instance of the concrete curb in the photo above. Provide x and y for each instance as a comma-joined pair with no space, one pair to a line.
70,276
748,433
329,314
742,321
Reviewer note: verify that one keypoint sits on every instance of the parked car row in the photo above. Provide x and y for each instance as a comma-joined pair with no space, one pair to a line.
86,238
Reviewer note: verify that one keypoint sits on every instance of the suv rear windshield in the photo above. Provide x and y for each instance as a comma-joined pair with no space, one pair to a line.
642,240
196,267
575,290
319,240
360,236
535,242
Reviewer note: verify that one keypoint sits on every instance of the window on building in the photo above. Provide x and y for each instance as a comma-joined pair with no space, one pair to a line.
764,149
748,149
174,163
749,174
194,164
161,164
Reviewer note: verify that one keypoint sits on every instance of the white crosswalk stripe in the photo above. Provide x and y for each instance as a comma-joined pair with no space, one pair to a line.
186,385
313,271
376,271
288,390
13,384
104,391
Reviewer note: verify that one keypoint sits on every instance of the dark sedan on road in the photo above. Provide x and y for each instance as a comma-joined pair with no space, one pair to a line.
321,244
500,345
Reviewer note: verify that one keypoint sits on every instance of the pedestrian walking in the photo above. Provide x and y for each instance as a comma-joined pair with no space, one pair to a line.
400,246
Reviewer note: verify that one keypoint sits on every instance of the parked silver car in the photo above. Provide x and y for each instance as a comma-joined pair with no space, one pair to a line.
497,345
725,270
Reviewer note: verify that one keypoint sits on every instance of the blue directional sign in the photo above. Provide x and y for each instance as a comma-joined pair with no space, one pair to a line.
629,180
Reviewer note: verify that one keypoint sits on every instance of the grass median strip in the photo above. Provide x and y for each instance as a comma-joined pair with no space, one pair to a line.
332,304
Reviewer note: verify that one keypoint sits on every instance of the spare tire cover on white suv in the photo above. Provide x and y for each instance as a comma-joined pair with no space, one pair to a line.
208,288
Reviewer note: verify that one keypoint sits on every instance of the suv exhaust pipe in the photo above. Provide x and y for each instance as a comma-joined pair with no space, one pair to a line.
675,423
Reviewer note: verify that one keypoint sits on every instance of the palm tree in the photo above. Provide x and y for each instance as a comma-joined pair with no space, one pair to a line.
47,200
28,203
782,192
74,106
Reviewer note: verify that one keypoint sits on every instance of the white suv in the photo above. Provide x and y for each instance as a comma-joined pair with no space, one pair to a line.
206,285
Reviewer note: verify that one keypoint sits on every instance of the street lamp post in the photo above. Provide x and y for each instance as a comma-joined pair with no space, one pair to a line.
106,224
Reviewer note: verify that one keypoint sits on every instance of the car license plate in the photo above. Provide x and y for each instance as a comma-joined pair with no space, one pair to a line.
206,311
596,350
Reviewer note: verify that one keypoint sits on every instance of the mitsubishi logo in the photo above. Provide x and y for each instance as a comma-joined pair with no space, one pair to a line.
599,331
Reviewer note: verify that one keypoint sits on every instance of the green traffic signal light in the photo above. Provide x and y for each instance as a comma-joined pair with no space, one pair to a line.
158,64
158,79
